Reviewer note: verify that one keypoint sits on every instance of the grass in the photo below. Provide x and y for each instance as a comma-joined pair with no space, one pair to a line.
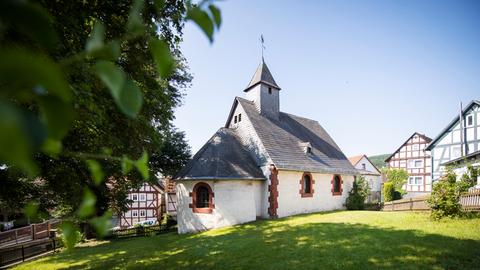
333,240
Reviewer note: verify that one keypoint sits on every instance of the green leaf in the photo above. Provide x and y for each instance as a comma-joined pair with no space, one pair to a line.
95,40
69,234
131,99
29,19
57,115
127,165
52,147
107,151
202,20
31,210
102,224
142,165
135,23
216,14
20,133
22,71
96,171
162,56
111,76
87,208
110,51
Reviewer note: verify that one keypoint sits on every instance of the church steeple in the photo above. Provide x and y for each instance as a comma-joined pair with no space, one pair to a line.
262,75
264,92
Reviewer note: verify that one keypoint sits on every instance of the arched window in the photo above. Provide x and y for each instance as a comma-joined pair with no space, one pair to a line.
202,198
306,183
337,185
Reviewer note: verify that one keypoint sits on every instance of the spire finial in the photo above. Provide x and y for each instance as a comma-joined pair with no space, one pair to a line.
262,41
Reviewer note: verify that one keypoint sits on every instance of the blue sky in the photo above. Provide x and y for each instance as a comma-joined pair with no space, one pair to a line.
370,72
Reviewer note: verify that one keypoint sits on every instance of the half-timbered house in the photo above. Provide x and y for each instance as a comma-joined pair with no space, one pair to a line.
457,140
145,205
413,157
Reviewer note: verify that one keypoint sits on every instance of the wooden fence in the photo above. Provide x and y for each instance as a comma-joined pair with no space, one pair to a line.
19,253
28,233
469,201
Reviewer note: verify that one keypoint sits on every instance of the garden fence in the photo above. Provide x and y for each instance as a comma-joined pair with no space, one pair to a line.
28,233
469,202
20,253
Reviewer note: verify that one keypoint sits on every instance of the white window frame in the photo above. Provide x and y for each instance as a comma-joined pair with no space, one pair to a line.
134,213
135,197
142,197
415,181
411,163
144,212
466,120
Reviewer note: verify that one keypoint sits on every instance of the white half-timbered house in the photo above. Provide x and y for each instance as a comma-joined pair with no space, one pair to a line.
457,140
263,163
415,159
146,205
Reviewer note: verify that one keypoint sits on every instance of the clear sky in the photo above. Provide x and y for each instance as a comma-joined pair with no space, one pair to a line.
370,72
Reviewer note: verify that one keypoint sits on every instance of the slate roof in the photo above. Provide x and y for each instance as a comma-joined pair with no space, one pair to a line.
222,157
262,75
452,123
283,137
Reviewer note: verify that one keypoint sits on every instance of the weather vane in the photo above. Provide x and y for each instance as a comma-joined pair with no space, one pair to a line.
262,41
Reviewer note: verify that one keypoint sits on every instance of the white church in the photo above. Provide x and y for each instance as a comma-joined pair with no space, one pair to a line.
264,163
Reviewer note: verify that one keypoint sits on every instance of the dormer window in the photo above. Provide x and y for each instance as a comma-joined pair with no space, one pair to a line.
269,90
307,148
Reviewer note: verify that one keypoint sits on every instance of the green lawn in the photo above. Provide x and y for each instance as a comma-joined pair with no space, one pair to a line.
334,240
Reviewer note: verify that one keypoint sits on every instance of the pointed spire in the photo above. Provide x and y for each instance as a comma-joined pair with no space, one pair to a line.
262,75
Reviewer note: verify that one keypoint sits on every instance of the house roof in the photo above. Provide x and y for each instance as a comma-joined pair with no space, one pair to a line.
470,157
452,123
427,139
283,139
355,159
222,157
262,75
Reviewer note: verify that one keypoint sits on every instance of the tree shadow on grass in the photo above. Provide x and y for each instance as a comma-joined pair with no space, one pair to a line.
270,245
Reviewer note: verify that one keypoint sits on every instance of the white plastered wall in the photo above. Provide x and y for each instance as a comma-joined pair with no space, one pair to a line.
290,202
236,202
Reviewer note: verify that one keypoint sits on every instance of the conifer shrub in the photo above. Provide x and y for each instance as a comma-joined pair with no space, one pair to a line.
358,194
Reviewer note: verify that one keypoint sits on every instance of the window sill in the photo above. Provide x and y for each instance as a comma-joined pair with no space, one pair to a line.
336,193
306,195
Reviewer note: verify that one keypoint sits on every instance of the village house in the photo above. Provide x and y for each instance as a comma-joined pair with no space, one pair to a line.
372,175
413,156
263,163
459,140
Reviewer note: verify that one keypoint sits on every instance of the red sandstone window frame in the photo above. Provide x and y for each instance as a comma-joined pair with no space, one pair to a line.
337,193
193,195
302,185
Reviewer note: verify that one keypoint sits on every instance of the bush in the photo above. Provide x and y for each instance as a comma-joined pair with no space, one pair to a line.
388,192
445,198
357,195
169,221
80,237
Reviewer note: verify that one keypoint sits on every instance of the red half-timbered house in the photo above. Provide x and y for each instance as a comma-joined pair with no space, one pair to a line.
416,160
146,205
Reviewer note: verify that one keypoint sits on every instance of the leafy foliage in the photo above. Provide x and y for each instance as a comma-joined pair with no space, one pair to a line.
103,79
388,192
398,177
358,194
445,197
471,176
